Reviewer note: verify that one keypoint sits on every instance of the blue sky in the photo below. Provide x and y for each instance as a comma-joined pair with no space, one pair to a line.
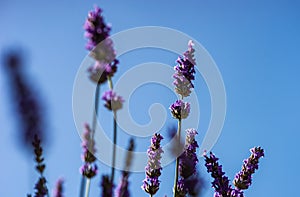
254,44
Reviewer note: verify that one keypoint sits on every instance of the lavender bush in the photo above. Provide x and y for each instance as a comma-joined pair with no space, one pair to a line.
186,179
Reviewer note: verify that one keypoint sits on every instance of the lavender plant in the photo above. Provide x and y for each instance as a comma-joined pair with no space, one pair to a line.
184,75
101,49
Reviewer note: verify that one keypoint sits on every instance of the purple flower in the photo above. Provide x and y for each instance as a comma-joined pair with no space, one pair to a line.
153,168
101,47
95,27
113,101
180,109
181,189
188,159
100,71
243,179
58,192
220,182
184,72
89,168
27,106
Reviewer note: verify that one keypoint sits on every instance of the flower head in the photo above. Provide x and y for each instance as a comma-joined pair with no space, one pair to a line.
188,159
180,109
220,182
89,168
153,168
101,47
243,179
185,71
113,101
100,71
95,27
28,107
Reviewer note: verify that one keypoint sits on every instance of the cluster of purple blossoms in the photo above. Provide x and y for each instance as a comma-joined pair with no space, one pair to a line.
180,109
185,71
153,168
100,71
89,168
58,192
113,102
101,47
187,164
220,182
96,29
243,179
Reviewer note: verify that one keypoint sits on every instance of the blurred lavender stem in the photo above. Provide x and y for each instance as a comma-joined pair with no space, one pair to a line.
177,159
113,161
114,147
95,114
82,186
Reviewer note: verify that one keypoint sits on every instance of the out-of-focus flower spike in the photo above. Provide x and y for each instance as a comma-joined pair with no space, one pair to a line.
58,191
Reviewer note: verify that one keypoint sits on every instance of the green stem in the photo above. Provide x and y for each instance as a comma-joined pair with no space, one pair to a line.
82,186
95,111
87,187
177,159
114,148
110,84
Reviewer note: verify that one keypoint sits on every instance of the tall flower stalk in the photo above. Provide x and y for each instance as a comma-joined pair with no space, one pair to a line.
89,168
184,75
113,102
153,168
41,189
101,50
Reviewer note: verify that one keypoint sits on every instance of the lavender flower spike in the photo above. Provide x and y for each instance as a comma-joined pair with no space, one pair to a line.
188,159
113,101
101,47
95,27
221,182
243,179
180,109
185,72
89,168
58,192
153,168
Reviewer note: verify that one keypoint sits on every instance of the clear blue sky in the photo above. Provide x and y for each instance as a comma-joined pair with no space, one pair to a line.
254,43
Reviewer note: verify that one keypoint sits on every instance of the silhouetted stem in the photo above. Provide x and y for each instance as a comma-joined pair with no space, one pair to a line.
177,159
